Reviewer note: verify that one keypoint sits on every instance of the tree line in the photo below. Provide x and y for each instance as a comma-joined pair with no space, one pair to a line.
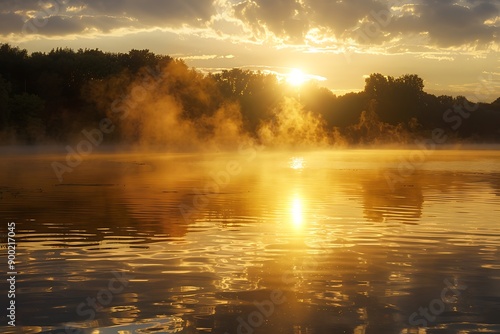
50,97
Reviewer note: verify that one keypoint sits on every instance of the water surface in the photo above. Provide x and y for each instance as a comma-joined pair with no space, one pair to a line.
354,241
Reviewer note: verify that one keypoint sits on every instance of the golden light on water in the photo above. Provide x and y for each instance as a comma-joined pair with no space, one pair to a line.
297,163
297,212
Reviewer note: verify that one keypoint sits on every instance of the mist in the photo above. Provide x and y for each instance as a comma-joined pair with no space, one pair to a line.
143,101
178,109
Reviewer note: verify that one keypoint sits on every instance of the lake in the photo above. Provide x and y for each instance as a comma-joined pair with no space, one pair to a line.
346,241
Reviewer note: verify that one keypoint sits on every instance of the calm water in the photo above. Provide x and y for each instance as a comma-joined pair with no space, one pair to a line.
326,242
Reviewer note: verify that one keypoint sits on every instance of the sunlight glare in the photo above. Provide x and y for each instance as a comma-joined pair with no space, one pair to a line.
297,163
296,77
296,212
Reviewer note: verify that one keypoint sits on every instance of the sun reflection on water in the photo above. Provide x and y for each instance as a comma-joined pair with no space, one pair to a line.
296,212
297,163
324,229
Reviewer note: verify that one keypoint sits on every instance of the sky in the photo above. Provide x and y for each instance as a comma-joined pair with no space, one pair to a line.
454,45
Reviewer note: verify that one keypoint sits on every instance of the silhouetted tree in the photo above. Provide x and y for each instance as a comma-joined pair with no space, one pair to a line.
256,92
25,113
399,100
347,109
378,86
4,103
13,66
56,94
319,100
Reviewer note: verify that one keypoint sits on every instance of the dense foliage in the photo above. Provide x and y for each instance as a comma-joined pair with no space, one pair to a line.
51,97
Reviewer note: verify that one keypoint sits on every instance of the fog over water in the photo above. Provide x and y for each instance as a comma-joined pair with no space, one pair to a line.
352,241
141,195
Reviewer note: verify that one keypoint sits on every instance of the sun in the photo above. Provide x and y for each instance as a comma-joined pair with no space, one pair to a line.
296,163
296,212
296,77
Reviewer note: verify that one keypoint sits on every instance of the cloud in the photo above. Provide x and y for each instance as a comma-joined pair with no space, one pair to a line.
206,57
283,18
9,20
61,18
156,12
318,23
450,24
444,23
14,6
343,16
